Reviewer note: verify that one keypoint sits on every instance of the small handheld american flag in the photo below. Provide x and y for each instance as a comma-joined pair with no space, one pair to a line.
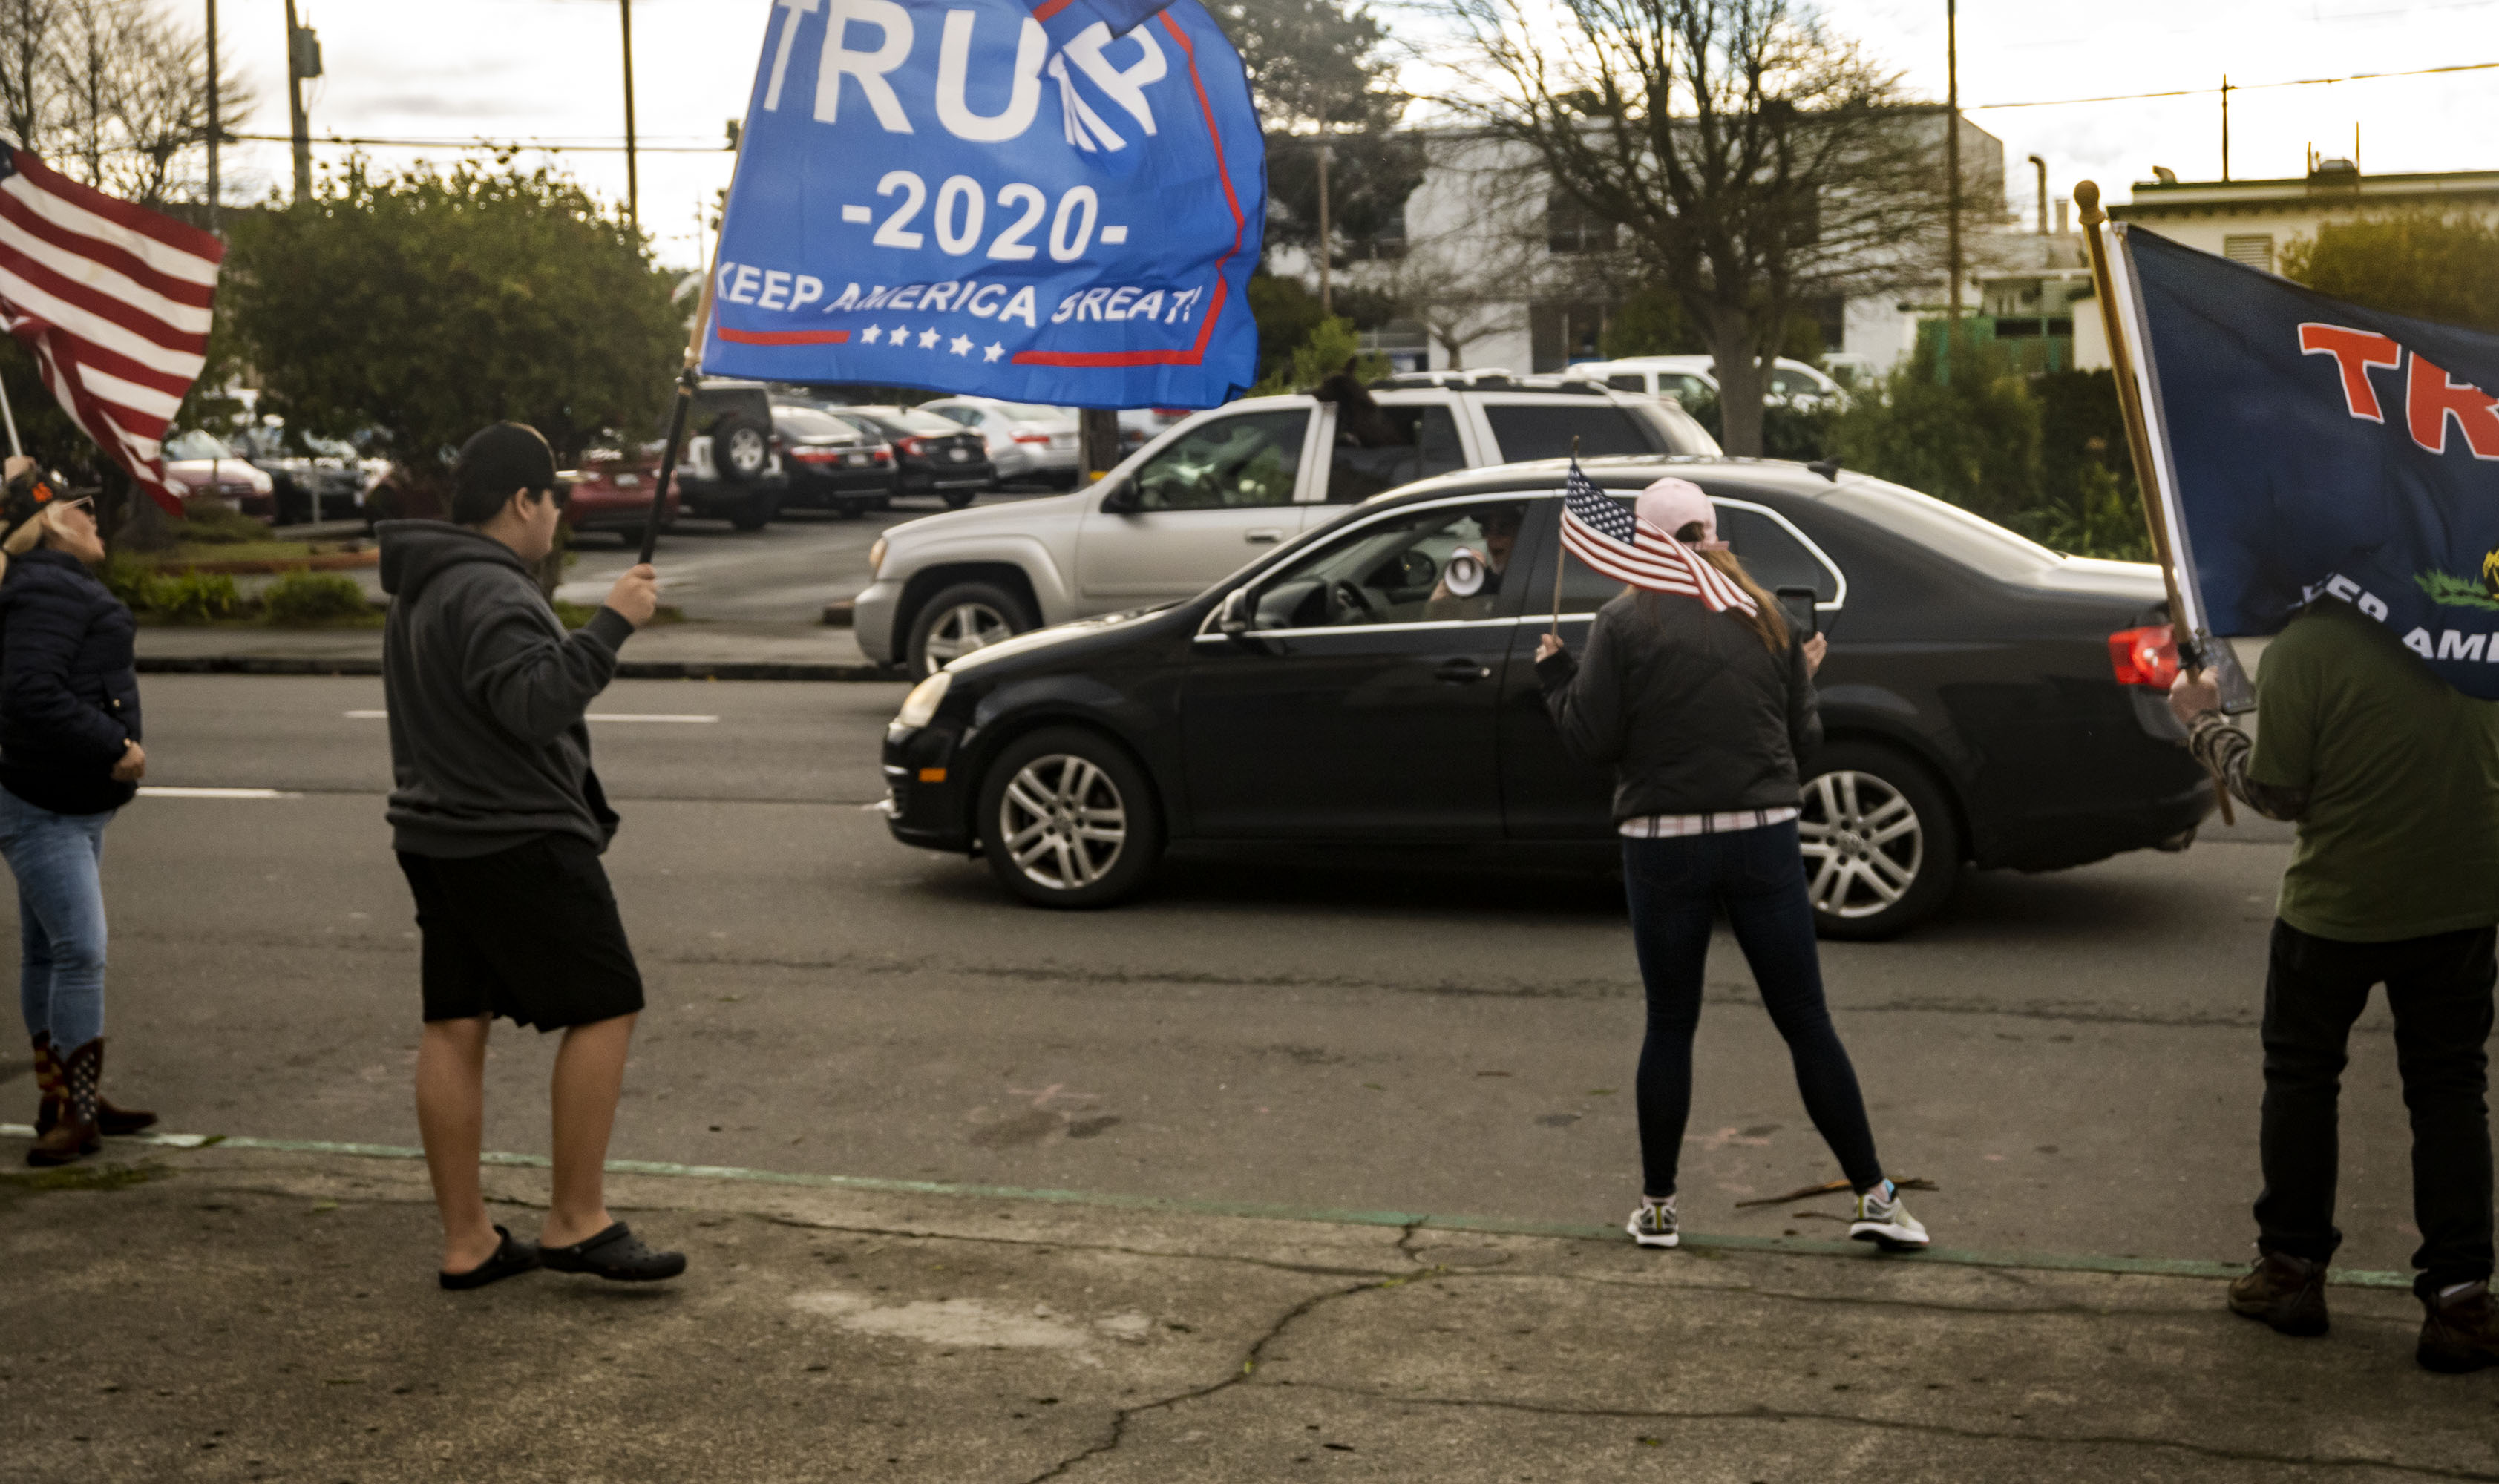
1596,529
114,302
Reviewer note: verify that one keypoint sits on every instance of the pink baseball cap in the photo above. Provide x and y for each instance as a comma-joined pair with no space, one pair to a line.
1671,504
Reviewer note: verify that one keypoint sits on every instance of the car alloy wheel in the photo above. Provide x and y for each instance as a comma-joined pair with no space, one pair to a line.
1062,821
963,628
747,452
1864,844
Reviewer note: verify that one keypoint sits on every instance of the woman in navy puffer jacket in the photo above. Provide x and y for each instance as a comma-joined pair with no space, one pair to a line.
69,759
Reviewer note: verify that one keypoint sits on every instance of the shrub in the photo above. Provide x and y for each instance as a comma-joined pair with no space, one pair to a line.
1787,433
214,523
314,597
192,598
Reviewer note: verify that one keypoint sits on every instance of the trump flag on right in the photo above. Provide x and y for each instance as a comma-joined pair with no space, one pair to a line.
2306,446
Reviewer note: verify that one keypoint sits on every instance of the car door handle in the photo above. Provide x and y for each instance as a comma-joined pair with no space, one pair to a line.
1264,536
1461,672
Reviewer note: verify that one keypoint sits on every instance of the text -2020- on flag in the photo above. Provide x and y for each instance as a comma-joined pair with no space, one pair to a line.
2307,446
114,302
1596,529
1051,204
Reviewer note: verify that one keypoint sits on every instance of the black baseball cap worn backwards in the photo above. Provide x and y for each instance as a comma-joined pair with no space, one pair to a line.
503,456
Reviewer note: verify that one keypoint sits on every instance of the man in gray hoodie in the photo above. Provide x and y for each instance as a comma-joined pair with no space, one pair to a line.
499,823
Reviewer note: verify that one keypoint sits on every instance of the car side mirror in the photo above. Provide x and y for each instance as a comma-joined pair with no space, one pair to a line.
1233,618
1119,500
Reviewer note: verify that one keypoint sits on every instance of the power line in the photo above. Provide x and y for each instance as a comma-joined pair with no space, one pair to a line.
2236,87
474,142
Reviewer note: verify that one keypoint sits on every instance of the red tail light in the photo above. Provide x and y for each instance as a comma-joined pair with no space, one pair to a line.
881,456
1043,438
2145,657
911,446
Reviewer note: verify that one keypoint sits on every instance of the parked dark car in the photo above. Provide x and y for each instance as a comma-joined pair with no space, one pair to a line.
731,469
834,462
933,455
612,490
1986,701
312,479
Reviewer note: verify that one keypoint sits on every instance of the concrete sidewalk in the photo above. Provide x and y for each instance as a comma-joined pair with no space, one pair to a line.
232,1312
689,651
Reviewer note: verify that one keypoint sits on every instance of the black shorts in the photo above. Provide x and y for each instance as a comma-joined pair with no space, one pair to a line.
530,933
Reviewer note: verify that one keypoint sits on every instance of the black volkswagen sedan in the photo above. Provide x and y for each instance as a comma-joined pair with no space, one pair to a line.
1986,701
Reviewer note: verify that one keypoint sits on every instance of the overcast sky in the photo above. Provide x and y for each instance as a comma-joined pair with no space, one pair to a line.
550,70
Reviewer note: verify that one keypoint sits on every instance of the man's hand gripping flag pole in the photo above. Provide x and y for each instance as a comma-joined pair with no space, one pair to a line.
2138,441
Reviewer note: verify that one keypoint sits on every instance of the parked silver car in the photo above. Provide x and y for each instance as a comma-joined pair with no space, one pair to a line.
1027,440
1209,494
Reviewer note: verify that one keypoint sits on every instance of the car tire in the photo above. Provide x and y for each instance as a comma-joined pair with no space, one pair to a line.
740,451
1069,820
965,617
1882,845
755,513
957,500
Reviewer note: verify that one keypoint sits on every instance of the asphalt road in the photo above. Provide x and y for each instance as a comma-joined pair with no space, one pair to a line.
2071,1056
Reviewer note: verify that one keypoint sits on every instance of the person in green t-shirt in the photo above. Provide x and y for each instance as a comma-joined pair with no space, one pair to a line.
2392,778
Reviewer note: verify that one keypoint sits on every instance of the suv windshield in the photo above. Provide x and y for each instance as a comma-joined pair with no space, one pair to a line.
1954,531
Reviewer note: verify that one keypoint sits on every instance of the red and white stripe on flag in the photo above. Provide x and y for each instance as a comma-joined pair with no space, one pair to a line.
1596,529
114,302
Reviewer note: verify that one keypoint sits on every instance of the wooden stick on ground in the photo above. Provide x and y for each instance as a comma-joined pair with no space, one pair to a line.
1831,1187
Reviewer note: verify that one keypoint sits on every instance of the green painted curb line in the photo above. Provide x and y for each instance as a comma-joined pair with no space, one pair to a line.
1793,1247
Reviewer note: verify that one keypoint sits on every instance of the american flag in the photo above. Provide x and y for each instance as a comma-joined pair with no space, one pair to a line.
1596,529
114,300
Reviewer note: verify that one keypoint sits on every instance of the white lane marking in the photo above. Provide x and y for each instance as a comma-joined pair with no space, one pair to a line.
154,792
685,720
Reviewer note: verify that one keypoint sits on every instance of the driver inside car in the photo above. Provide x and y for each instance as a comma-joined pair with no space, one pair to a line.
1471,576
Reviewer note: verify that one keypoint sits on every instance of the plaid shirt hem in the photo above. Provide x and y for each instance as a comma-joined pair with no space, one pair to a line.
1667,827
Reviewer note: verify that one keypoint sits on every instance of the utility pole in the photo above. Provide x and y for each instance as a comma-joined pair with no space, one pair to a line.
2043,193
214,217
303,61
2225,126
633,179
1327,240
1952,168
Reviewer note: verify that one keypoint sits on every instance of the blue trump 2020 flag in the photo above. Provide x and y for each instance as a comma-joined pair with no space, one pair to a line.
2315,447
1054,203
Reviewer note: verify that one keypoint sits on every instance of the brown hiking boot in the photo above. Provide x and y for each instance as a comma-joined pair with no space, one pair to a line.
76,1136
2284,1291
2460,1329
48,1088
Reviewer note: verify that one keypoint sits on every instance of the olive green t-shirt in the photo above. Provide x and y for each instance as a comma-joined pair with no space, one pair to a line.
2400,837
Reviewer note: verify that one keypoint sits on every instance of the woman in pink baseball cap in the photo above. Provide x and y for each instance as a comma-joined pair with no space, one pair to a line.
1701,709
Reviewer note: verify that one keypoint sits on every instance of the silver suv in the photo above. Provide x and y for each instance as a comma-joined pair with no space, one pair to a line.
1209,494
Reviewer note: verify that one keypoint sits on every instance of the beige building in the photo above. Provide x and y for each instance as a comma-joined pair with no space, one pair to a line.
2251,221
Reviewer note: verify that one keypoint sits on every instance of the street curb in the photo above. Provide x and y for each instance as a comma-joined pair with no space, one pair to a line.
1791,1246
628,669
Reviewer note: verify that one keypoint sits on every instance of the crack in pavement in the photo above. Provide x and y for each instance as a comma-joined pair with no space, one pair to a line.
1760,1413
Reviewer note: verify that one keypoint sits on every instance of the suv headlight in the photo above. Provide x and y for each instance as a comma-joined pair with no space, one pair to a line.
876,557
919,707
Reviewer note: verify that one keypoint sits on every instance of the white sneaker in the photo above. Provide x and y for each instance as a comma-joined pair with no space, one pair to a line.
1883,1218
1653,1224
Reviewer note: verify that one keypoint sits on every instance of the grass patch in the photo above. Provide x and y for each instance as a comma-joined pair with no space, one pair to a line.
83,1177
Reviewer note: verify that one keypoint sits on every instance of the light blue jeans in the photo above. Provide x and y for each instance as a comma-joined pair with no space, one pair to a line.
57,859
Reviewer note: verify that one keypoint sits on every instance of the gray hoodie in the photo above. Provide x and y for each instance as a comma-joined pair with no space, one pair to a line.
486,695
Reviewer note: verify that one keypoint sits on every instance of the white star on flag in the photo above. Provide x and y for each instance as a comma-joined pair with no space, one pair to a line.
868,336
897,335
993,352
928,340
960,345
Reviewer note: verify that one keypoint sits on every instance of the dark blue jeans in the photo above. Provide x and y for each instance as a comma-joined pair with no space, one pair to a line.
1758,875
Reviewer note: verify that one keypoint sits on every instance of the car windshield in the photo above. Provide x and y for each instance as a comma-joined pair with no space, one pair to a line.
196,444
926,425
1037,412
808,422
1957,533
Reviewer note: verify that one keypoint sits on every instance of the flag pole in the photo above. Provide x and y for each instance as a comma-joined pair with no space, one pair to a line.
2138,438
1560,551
687,380
9,414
